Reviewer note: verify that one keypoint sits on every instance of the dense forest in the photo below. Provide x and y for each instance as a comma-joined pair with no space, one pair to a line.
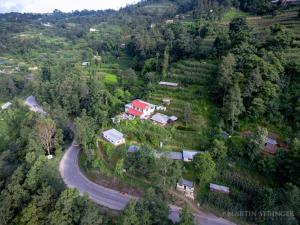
237,63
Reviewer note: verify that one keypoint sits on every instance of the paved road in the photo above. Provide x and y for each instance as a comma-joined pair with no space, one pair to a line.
112,199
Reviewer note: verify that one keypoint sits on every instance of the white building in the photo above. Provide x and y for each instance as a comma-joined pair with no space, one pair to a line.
188,155
85,64
219,188
6,105
186,187
93,30
113,136
139,108
168,84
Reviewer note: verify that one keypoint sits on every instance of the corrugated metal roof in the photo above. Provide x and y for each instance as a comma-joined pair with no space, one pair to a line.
187,183
113,134
190,153
160,118
219,188
171,84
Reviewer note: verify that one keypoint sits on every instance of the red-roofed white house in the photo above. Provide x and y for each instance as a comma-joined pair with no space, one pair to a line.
139,108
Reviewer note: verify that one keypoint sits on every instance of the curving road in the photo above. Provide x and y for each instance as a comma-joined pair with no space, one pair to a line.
73,178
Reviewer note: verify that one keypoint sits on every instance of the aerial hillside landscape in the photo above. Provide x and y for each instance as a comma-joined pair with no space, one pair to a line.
161,112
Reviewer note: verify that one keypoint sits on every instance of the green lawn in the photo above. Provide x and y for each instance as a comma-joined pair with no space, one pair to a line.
233,13
110,79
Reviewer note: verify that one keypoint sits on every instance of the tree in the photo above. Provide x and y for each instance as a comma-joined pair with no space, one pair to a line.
85,134
233,105
119,168
204,167
186,217
218,150
47,134
221,45
129,215
153,207
256,142
169,172
239,31
226,72
165,66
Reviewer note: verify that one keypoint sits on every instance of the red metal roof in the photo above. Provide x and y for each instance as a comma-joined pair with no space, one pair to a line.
134,112
139,104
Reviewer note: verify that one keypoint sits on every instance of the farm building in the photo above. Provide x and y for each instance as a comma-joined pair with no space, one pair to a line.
160,119
188,155
271,146
166,101
113,136
6,105
219,188
169,155
169,21
168,84
139,108
186,187
93,30
173,119
85,63
133,148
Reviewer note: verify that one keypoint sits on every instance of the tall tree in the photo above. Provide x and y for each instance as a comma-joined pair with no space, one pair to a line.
47,134
256,142
239,31
204,167
186,217
129,215
233,105
165,66
85,134
226,72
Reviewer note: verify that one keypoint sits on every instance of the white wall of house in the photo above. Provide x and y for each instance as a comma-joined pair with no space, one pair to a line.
188,191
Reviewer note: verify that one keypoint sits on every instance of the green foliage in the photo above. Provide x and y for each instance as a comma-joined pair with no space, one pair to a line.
239,32
150,210
218,150
186,217
233,106
256,143
204,168
85,134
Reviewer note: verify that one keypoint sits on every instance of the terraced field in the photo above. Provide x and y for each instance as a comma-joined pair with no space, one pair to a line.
194,78
288,18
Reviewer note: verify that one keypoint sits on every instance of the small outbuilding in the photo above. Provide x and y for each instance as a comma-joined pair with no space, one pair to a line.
271,146
133,149
166,101
6,105
85,63
186,187
160,119
173,119
188,155
113,136
168,84
219,188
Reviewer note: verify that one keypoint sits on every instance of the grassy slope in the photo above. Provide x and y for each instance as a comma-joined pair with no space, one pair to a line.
198,74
